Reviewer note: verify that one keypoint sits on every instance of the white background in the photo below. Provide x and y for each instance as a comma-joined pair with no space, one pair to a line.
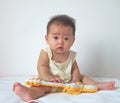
23,27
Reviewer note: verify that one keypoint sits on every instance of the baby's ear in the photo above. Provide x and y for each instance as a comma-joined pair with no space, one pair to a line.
73,39
46,38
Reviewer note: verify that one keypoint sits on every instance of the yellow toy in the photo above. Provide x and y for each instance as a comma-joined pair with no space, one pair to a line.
72,88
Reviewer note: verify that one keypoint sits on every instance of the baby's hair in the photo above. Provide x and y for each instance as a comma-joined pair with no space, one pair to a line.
62,19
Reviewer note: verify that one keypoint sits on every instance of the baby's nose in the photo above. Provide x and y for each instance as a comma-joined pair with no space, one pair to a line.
60,41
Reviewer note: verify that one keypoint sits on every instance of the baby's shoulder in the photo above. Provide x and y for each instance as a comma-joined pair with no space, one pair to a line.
73,52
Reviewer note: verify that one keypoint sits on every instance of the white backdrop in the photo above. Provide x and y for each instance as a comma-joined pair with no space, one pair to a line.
23,26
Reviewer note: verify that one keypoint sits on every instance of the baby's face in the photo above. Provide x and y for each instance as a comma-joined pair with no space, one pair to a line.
60,38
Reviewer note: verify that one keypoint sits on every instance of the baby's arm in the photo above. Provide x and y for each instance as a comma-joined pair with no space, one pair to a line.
44,70
43,66
75,73
77,76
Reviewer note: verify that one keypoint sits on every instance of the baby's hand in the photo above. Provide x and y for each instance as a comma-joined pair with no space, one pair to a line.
74,80
56,79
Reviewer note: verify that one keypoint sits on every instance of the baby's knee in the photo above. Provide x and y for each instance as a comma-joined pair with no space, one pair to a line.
47,89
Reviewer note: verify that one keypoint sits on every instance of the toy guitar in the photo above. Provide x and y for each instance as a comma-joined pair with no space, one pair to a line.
72,88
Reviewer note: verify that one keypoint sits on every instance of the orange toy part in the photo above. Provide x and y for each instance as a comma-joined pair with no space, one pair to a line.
72,88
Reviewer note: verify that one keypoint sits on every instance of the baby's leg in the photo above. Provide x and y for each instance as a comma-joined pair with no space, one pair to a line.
101,85
106,85
31,93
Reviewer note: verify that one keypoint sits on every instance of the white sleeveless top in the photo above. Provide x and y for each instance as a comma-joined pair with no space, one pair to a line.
61,70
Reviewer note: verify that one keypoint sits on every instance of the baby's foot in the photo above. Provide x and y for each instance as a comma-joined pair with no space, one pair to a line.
106,85
21,91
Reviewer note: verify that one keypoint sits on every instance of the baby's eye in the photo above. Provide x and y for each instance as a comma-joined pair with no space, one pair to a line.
66,38
55,37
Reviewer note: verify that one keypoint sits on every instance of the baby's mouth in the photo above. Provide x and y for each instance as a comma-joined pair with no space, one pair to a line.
60,48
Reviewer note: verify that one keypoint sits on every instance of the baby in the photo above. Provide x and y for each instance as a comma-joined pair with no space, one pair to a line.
57,63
